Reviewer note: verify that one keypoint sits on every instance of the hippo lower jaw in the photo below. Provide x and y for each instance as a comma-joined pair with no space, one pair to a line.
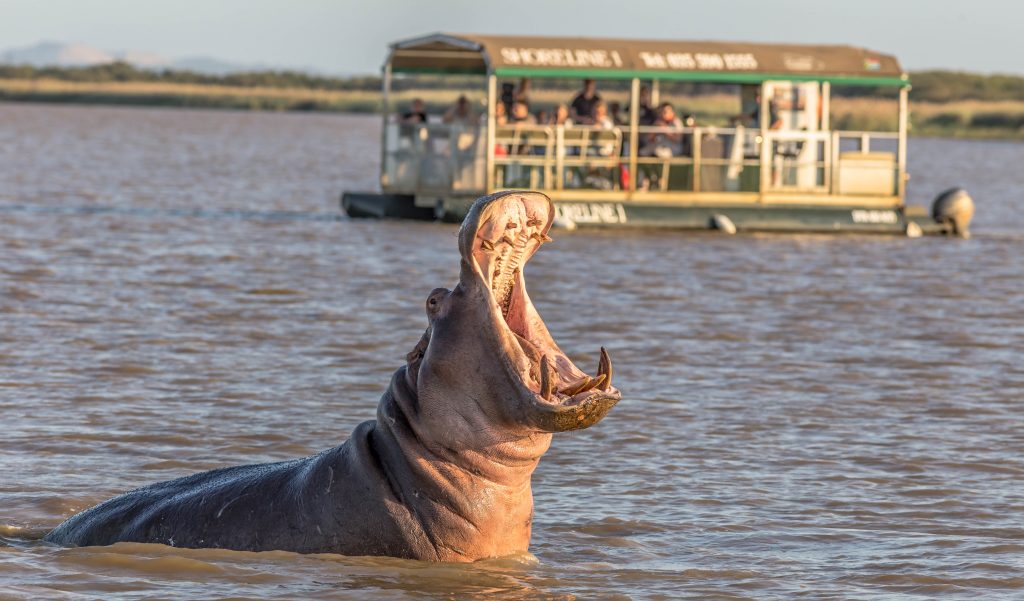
496,242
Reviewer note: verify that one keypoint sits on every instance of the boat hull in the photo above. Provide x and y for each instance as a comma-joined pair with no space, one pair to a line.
845,218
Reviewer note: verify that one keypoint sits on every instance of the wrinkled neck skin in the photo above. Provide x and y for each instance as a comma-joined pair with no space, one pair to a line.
477,426
464,476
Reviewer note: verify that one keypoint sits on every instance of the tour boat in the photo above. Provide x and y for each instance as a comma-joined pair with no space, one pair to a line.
791,171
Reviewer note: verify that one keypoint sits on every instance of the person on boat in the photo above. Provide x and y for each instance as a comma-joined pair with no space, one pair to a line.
645,118
416,114
410,124
752,119
522,92
666,142
500,114
521,114
463,118
543,116
647,112
615,112
521,117
508,96
603,145
601,120
582,107
460,113
561,116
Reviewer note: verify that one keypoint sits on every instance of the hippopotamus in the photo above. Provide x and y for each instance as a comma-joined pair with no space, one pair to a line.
443,473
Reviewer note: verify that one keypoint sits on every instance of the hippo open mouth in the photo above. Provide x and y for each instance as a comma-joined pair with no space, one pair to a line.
496,242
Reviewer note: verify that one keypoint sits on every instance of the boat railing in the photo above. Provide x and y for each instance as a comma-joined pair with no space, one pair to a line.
697,159
438,158
434,157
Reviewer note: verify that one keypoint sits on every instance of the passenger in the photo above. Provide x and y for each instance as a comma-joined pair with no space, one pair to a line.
561,116
461,112
542,116
667,141
521,117
582,108
645,118
600,117
603,121
500,115
462,116
416,114
648,114
500,120
521,114
508,96
522,92
615,111
751,119
603,146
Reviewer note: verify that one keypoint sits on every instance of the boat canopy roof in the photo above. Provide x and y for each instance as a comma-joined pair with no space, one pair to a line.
725,62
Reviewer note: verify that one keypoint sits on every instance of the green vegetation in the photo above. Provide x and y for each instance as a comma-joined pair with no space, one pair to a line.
943,103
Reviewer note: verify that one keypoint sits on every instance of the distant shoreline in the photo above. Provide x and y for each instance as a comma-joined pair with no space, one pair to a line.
980,119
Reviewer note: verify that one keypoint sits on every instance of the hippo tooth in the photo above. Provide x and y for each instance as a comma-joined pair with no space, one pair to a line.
576,386
546,385
486,245
593,383
604,368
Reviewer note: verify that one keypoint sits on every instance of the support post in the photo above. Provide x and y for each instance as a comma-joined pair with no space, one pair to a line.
634,135
826,105
695,148
901,152
492,98
764,121
385,111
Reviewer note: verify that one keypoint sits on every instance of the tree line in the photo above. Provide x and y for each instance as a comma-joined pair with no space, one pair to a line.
928,86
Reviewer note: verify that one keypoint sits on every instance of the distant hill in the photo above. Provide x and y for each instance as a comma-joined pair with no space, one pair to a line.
58,54
55,54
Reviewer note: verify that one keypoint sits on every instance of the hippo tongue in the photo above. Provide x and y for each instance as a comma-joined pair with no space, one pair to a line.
499,236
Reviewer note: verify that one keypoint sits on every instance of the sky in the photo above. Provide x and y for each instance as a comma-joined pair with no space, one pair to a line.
351,37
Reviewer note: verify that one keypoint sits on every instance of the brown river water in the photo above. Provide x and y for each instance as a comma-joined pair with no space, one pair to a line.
803,416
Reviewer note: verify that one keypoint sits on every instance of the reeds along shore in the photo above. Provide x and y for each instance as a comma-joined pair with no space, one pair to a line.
960,118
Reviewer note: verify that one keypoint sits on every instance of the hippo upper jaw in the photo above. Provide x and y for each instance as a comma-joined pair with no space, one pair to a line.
497,238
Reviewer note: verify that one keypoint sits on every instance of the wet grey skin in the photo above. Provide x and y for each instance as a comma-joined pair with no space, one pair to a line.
443,473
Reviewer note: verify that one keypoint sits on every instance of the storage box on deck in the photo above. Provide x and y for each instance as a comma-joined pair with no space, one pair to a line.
869,173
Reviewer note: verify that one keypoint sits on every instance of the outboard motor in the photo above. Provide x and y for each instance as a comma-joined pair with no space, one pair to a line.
954,209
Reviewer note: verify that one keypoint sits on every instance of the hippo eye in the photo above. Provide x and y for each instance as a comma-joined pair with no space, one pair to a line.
432,302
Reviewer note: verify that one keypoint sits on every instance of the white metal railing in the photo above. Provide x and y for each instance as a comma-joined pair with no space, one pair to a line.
434,157
439,157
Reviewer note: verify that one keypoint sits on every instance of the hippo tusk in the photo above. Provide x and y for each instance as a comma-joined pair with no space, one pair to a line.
604,368
576,386
547,386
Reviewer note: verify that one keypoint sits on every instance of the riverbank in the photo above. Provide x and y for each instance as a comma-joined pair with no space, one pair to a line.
1002,119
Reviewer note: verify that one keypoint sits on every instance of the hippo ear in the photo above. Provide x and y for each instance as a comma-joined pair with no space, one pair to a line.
561,418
